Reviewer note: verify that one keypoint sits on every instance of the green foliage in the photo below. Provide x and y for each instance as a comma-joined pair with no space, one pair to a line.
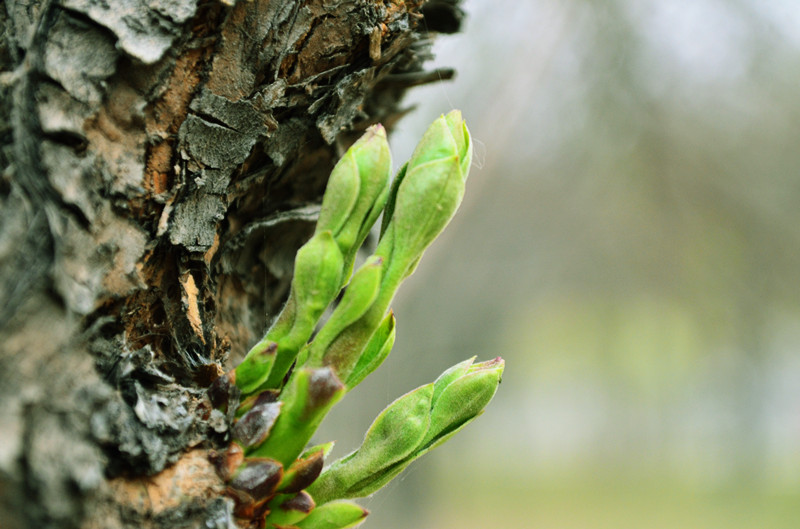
410,427
280,406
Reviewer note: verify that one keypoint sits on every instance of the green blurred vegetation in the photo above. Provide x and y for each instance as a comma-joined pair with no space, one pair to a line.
630,244
587,502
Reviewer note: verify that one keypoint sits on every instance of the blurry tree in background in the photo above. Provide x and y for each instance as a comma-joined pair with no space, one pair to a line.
631,245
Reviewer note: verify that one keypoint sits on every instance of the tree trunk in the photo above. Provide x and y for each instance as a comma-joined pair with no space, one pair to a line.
161,163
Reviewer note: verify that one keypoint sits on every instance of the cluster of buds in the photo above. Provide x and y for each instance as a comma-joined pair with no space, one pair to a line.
286,384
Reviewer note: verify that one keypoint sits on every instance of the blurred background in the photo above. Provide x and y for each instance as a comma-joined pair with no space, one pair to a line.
630,244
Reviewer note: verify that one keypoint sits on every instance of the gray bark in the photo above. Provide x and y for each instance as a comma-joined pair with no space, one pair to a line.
161,163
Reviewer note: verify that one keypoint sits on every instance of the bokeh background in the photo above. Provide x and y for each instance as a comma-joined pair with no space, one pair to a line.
630,244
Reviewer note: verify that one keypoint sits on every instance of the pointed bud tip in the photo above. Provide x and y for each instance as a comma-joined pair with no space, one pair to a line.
496,364
257,477
323,385
254,426
301,502
377,129
373,133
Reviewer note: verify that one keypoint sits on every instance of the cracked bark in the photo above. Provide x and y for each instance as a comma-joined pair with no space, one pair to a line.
162,161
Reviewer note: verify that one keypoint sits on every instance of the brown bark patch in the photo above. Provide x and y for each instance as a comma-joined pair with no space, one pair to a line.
165,115
193,476
329,44
190,295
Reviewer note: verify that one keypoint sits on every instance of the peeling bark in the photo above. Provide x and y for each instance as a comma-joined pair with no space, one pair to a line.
162,161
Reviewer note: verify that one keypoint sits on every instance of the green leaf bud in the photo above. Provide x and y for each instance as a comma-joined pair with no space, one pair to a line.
464,397
350,346
458,128
434,439
334,515
436,143
340,195
378,348
426,201
357,299
318,269
410,427
306,399
450,374
393,436
357,191
317,276
423,198
255,367
430,191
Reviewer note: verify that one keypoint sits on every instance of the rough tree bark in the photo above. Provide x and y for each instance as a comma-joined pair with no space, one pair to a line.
161,163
